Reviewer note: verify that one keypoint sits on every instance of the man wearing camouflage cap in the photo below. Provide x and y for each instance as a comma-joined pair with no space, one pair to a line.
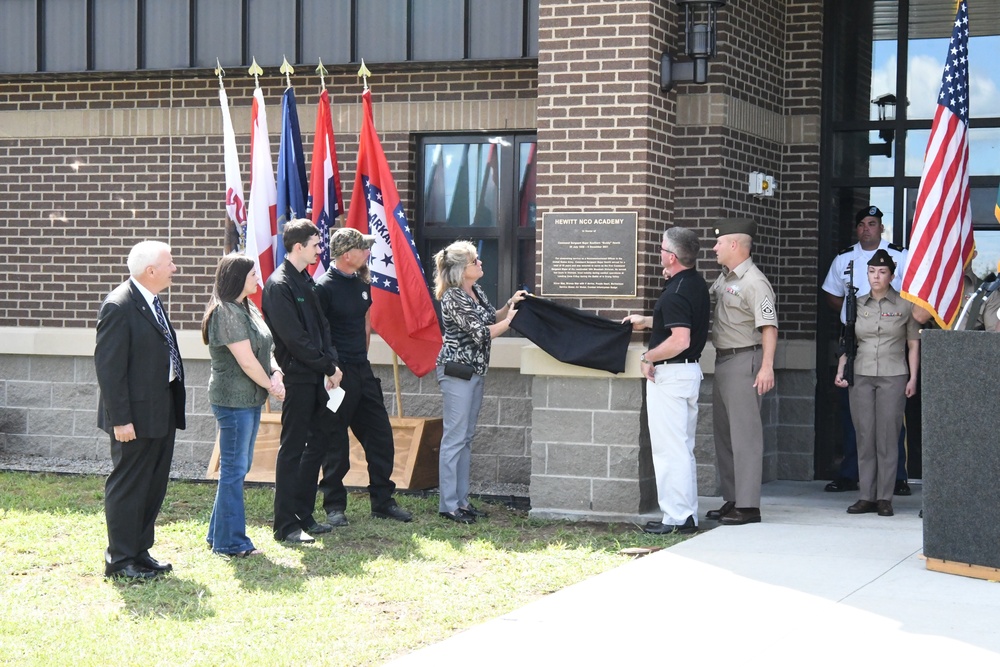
745,335
344,295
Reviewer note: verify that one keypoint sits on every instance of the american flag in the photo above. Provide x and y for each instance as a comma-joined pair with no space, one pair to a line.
941,238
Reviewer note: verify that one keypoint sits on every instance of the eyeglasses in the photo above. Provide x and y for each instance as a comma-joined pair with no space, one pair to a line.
662,249
475,261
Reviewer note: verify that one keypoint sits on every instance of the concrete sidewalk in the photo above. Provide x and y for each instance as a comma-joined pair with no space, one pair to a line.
811,585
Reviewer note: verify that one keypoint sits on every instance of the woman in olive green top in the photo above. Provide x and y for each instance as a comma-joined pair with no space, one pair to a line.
885,375
243,373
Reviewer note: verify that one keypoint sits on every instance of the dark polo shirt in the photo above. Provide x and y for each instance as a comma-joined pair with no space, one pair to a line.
683,303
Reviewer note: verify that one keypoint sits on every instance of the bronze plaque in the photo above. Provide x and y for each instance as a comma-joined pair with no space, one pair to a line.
589,254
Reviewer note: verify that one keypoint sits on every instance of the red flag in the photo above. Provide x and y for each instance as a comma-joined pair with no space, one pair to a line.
402,311
262,213
941,238
325,198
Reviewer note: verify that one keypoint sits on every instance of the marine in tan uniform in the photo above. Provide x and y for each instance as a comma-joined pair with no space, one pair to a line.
745,334
885,375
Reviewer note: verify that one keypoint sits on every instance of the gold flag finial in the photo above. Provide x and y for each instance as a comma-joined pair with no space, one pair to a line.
364,73
287,70
323,73
219,72
255,71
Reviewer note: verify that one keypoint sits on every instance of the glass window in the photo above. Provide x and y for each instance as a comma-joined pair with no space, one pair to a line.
863,153
480,188
326,31
533,29
987,259
382,31
115,25
496,28
272,31
984,142
18,43
848,201
65,35
439,30
167,35
219,33
863,62
930,32
461,185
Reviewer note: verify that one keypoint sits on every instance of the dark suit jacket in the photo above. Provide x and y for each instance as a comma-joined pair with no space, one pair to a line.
133,367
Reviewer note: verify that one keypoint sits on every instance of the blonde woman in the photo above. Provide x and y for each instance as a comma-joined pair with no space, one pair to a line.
470,324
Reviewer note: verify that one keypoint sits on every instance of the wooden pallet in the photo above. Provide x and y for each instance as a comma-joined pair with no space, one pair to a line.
963,569
417,441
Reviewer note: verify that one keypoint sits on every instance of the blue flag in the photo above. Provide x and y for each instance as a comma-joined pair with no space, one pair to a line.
291,171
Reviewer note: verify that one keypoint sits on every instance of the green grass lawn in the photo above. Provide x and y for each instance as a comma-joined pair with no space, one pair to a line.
359,596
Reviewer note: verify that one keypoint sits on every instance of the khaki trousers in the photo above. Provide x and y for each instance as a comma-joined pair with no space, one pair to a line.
877,406
739,433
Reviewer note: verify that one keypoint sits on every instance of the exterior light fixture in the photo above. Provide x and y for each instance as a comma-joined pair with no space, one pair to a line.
700,30
886,105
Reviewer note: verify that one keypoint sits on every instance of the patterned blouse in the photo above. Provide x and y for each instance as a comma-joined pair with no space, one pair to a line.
466,336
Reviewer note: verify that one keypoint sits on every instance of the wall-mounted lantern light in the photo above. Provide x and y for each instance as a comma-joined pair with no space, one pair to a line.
886,105
700,30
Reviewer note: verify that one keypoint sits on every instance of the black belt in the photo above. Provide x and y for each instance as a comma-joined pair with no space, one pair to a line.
675,360
735,350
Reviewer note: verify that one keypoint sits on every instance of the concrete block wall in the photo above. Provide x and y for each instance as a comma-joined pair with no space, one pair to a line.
586,447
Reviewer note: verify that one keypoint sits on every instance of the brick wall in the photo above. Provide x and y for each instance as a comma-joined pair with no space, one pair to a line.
94,165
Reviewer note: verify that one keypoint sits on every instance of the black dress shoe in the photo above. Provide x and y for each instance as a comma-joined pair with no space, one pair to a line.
337,518
726,508
862,507
151,563
884,507
458,516
298,536
392,511
741,516
132,572
667,528
902,488
317,528
841,484
474,511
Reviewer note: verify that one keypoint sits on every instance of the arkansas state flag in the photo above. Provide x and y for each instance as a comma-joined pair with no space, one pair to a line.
402,312
326,202
291,172
262,211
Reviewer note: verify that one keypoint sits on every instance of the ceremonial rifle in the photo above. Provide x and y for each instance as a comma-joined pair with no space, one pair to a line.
848,340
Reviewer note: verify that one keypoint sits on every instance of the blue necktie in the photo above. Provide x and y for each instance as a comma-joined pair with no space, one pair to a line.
175,356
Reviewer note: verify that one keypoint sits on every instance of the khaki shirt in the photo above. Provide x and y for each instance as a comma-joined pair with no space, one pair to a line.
744,302
882,329
991,311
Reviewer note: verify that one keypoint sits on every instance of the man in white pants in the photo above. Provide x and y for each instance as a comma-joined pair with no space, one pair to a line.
679,326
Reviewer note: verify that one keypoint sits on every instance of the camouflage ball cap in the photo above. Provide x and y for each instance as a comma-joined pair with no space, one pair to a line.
346,239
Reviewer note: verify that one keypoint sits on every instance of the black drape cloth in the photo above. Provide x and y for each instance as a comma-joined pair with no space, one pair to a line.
573,336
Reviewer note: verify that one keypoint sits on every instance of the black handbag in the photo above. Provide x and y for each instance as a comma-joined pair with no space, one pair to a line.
457,370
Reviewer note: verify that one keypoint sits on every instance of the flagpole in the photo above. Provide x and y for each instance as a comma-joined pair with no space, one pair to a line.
322,71
395,378
255,71
364,73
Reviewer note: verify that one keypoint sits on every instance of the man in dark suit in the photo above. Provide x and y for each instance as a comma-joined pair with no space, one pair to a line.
141,405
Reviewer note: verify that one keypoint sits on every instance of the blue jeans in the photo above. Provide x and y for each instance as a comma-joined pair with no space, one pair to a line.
461,401
227,529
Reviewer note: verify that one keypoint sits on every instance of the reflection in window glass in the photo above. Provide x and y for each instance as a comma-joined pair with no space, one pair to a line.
461,185
982,201
847,203
487,249
926,63
987,258
526,184
861,154
984,142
